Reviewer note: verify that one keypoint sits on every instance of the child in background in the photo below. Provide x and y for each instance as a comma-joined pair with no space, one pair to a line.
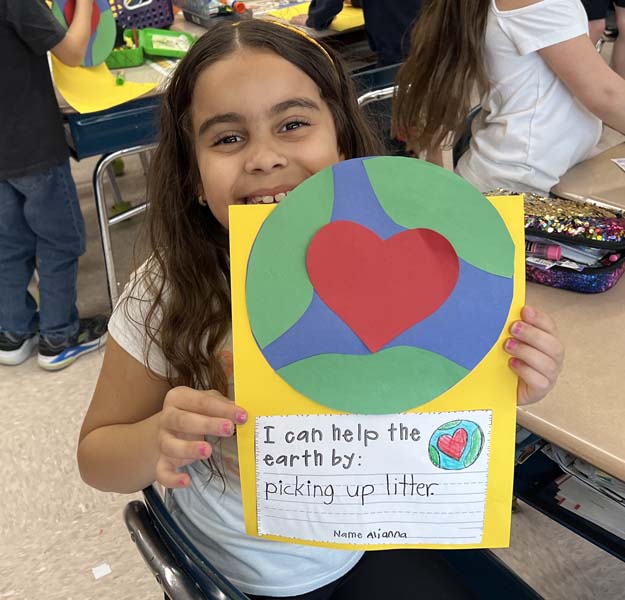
387,23
543,89
596,11
41,224
163,403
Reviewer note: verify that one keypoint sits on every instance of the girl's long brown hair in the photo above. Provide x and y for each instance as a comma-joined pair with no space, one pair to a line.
187,275
446,61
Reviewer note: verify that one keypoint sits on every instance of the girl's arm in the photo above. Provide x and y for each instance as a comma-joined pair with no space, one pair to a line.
71,49
118,448
139,430
578,64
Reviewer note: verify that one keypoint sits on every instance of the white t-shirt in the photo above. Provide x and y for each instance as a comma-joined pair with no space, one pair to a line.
213,516
531,129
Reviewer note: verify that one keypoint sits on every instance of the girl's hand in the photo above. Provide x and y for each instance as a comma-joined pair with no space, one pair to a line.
187,416
537,354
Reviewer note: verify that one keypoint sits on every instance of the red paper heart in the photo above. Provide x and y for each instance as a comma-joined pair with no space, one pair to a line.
453,445
379,287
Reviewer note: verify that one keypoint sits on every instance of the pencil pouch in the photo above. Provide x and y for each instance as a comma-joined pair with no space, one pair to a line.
588,242
581,245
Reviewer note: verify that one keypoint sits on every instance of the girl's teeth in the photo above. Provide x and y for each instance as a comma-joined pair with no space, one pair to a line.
267,199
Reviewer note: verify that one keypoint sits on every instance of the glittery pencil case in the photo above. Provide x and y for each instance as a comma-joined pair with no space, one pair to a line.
581,229
588,225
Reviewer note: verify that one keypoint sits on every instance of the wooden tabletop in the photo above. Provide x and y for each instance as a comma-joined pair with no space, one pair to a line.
596,179
585,413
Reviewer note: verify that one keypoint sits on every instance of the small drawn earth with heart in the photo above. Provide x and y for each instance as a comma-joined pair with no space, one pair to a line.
378,284
456,445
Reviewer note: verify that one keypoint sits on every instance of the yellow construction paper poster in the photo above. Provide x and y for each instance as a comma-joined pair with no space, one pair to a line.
89,89
370,309
348,18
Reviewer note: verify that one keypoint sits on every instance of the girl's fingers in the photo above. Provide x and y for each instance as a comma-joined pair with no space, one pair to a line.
533,386
533,358
189,423
543,340
178,449
168,475
187,417
537,354
208,403
539,319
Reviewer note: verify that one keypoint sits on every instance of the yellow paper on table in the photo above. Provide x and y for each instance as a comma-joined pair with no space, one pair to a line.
348,18
89,89
370,308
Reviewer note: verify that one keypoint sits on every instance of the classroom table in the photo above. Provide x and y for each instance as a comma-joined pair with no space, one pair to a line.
585,412
131,129
596,179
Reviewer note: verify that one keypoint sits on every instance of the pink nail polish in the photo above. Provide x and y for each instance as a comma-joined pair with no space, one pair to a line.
515,362
204,450
181,482
226,428
516,328
511,344
241,417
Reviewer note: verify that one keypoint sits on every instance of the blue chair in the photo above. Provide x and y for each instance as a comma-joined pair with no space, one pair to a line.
184,573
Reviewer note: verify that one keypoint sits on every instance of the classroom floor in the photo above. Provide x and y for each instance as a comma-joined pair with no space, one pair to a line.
54,529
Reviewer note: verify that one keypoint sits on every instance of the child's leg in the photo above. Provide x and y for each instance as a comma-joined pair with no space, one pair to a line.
52,211
596,10
403,575
618,52
18,311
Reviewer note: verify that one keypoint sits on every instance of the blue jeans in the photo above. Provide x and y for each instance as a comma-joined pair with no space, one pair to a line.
40,226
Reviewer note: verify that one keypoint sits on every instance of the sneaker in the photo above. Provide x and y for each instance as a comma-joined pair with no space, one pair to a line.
15,350
91,336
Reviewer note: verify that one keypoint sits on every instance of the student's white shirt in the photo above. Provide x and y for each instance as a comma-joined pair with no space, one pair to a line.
210,510
531,129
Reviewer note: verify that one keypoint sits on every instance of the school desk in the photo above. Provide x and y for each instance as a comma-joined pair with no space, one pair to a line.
596,179
585,412
131,128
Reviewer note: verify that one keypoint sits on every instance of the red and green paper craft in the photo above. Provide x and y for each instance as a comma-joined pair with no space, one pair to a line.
103,32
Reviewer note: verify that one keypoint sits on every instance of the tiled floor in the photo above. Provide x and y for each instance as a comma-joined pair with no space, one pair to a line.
54,529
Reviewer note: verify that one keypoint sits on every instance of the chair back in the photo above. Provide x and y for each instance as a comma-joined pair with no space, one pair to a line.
181,570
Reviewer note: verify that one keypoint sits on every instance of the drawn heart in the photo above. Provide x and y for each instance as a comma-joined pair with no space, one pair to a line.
380,288
453,445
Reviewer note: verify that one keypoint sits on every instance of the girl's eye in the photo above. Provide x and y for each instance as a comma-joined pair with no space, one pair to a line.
231,138
297,124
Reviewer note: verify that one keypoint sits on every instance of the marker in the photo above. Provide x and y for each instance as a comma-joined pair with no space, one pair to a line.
549,251
120,78
610,259
135,38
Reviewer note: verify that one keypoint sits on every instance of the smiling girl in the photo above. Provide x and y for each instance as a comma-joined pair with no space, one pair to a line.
251,112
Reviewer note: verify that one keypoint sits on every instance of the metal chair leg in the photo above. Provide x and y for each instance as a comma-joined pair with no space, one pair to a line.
104,222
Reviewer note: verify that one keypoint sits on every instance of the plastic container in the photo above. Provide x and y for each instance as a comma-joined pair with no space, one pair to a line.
142,13
122,58
162,42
